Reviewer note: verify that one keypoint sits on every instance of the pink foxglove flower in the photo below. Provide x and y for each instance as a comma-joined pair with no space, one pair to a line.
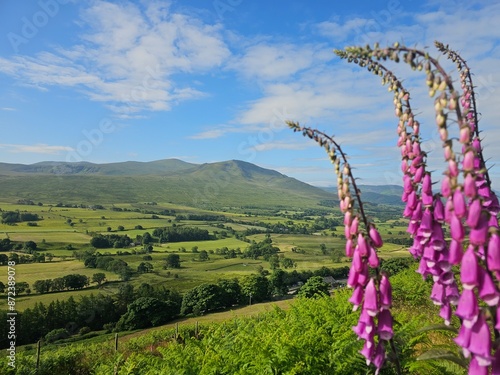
375,237
480,342
487,290
385,292
468,308
469,271
385,330
371,304
459,204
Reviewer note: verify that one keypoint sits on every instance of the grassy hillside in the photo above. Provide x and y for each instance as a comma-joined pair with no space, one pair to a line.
230,185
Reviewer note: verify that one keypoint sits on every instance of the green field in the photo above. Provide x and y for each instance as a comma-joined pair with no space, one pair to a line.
62,230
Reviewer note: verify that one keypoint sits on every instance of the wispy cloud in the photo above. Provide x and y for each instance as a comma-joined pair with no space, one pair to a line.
8,109
281,145
127,57
36,149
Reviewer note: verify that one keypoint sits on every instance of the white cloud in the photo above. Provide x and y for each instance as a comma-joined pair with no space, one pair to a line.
8,109
127,57
278,61
36,149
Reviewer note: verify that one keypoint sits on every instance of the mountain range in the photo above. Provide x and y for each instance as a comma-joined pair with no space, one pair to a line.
228,184
221,185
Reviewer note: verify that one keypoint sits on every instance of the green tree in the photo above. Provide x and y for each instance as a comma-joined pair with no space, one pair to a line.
230,292
278,282
98,278
29,247
75,281
173,261
42,286
203,256
287,263
145,267
256,286
3,259
202,298
314,287
147,312
323,249
274,262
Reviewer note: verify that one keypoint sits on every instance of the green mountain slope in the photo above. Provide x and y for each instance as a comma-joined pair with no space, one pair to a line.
378,194
229,184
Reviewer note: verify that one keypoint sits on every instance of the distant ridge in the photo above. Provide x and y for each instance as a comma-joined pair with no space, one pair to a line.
378,194
128,168
232,183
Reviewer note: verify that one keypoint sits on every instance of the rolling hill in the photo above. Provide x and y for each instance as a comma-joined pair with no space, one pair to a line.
228,184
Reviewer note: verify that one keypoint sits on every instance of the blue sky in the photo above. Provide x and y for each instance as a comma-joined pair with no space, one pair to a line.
206,81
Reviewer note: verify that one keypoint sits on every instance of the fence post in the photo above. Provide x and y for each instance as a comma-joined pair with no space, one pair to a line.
116,342
37,356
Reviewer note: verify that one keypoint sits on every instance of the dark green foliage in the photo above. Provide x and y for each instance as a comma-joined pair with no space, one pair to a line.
203,255
172,261
75,281
145,267
201,299
56,334
29,246
230,292
5,244
11,217
256,286
278,282
98,278
264,248
314,287
147,312
178,234
116,241
395,265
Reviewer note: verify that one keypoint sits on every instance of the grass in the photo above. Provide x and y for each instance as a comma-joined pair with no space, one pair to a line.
54,233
